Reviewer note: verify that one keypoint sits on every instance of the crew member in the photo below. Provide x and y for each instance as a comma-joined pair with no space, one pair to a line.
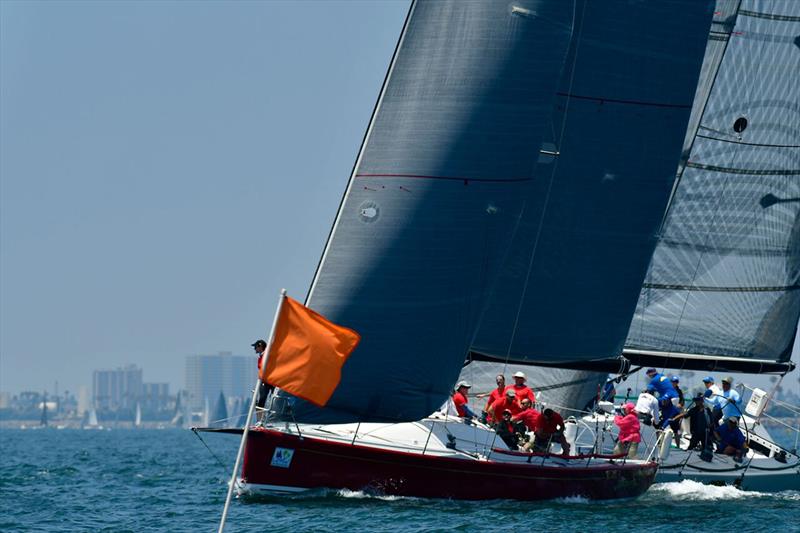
549,427
731,440
521,389
700,420
629,436
508,401
461,399
260,347
647,407
528,415
509,431
487,417
729,401
666,392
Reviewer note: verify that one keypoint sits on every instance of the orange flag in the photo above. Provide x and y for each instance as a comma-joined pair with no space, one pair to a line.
307,353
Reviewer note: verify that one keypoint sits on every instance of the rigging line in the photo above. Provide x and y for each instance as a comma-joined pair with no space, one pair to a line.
552,174
225,468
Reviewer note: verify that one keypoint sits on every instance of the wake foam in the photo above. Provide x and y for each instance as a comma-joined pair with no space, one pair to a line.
573,500
696,491
359,494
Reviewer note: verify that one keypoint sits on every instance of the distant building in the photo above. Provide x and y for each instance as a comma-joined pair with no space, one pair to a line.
155,396
208,375
117,389
84,403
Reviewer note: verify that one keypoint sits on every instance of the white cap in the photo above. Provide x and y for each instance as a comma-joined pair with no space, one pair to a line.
520,375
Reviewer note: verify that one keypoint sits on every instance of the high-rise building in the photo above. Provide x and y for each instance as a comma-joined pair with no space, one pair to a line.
208,375
117,389
155,396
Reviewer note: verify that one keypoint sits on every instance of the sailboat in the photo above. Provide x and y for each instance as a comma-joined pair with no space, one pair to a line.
43,420
504,204
91,420
137,420
721,293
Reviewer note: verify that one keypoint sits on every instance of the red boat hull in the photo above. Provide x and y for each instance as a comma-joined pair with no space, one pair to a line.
308,463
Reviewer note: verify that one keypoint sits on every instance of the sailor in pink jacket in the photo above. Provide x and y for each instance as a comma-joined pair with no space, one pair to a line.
629,437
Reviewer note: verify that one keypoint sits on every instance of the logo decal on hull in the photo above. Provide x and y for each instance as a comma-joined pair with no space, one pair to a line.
282,457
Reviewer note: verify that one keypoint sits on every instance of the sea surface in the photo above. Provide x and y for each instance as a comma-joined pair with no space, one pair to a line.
167,480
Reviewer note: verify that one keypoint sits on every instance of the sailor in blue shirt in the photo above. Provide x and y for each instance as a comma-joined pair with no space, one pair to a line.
666,392
729,401
731,440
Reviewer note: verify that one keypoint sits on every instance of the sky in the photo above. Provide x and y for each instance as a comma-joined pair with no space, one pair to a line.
166,168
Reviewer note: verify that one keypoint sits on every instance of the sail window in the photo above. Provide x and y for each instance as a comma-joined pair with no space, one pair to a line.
368,212
740,125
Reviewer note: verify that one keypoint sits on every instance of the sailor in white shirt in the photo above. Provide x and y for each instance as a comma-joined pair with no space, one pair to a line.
647,406
713,393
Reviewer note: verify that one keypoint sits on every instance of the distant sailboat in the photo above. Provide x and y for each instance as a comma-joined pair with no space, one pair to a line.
43,421
91,422
137,422
206,416
220,416
177,418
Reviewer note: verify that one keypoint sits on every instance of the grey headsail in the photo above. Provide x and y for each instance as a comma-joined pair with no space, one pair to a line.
723,289
448,170
570,285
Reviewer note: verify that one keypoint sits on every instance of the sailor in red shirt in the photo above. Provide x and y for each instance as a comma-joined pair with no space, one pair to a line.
509,401
496,394
528,415
260,347
460,399
521,389
549,427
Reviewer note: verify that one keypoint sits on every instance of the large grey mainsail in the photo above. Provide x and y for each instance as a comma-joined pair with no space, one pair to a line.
723,289
570,285
448,169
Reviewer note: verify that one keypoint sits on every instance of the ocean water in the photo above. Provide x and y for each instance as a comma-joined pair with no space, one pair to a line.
167,480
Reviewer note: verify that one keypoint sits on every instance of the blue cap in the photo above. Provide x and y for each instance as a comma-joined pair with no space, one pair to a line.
708,379
676,379
651,371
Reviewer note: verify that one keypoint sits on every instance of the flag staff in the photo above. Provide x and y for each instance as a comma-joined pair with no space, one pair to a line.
250,413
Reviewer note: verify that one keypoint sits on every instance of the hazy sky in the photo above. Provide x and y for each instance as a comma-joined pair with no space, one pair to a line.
167,167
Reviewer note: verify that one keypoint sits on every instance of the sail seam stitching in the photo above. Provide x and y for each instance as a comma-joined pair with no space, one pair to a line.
746,171
666,286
